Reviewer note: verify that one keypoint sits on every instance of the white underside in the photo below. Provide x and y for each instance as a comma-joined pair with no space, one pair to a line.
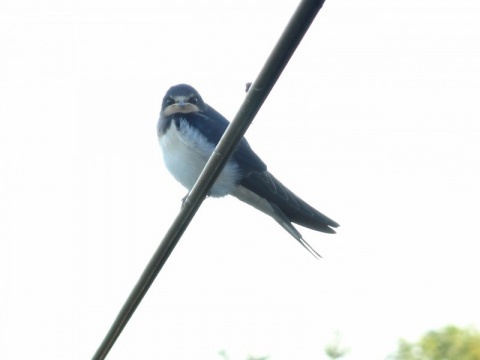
185,153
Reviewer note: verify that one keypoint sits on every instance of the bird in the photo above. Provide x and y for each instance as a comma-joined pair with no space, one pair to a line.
188,131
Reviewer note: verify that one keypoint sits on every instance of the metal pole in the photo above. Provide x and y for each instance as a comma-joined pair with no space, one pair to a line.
271,71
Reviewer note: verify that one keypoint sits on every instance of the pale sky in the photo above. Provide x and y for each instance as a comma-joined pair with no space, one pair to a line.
375,122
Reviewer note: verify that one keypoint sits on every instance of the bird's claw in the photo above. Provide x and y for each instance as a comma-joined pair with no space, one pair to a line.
184,199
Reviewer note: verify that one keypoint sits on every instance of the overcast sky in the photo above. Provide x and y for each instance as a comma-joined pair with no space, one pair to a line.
375,122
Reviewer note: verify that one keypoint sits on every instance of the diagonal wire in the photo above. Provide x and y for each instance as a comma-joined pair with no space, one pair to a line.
258,92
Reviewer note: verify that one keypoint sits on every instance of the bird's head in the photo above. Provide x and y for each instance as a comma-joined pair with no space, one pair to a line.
182,99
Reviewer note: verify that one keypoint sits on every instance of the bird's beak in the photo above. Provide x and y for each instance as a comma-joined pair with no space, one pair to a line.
180,107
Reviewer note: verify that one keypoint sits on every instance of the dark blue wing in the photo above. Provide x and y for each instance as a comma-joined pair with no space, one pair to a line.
255,176
293,207
212,125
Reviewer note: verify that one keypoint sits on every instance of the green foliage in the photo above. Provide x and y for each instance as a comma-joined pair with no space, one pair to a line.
250,357
449,343
334,349
225,356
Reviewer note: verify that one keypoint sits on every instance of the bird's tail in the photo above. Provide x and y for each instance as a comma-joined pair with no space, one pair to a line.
284,222
249,197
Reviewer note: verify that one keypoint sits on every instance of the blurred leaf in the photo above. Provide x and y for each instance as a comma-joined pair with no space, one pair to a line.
334,349
449,343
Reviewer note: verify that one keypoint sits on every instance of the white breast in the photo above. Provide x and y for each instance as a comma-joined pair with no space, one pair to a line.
185,153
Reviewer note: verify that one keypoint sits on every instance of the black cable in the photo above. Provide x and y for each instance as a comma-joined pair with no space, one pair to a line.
258,92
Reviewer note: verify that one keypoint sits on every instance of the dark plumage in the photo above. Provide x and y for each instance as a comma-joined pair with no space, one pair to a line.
188,131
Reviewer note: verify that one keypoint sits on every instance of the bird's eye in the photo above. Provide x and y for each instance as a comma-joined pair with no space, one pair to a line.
193,100
169,101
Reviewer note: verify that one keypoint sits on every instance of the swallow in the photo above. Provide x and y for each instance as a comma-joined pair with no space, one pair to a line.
188,131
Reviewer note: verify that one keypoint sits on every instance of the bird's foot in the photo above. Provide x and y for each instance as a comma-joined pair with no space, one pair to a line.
184,199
